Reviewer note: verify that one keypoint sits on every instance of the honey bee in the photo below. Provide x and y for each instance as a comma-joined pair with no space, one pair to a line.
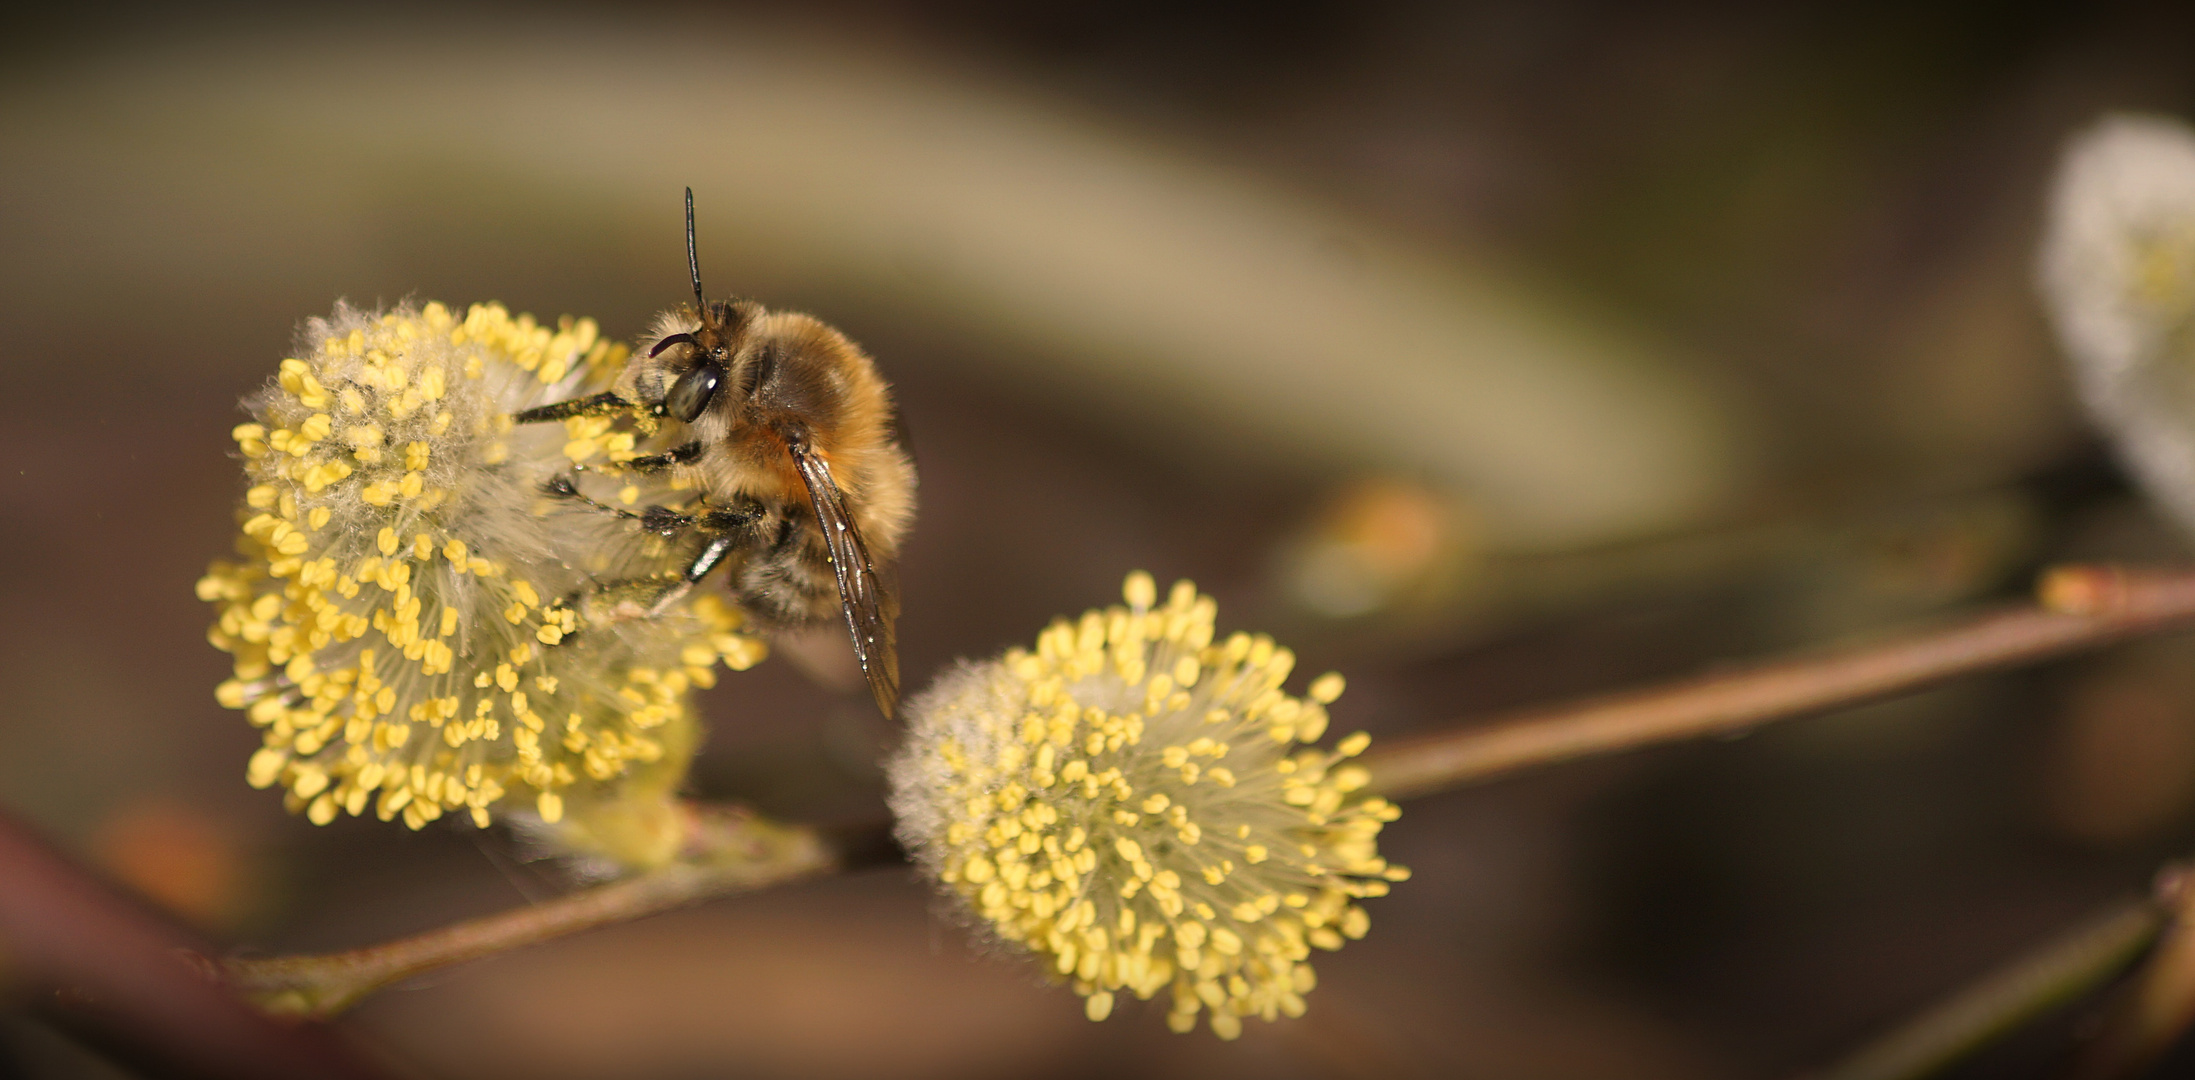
791,438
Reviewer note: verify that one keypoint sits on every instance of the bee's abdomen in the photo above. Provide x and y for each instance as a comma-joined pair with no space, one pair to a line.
785,581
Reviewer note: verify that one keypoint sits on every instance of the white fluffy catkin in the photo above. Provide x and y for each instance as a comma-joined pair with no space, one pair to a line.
2117,272
410,619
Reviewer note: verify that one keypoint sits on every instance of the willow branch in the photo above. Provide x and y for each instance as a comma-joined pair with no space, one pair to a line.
730,851
2161,1002
2079,608
734,852
2060,970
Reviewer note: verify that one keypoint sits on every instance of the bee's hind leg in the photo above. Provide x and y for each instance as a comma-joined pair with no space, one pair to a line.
712,553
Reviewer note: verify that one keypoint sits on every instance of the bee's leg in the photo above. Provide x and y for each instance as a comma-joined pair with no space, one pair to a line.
662,520
601,404
728,530
561,487
677,455
711,555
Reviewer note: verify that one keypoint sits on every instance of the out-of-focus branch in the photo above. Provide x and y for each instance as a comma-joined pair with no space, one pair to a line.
116,976
2161,1003
2024,988
729,851
2079,608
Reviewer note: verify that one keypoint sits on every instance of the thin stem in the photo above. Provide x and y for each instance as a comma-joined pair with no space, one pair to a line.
2060,970
735,852
2161,1002
732,851
2081,608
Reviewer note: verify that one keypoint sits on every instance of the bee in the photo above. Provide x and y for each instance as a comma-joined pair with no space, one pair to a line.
791,438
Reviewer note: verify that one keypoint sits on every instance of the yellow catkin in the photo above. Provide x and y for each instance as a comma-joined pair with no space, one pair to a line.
1069,794
394,590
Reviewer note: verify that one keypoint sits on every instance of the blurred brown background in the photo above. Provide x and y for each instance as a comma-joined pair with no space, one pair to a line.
1489,354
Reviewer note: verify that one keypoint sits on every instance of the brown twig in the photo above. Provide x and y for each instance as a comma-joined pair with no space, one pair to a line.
2080,608
2058,971
2161,1003
730,851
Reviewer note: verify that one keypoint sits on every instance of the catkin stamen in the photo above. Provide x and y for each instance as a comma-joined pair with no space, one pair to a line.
1070,795
401,618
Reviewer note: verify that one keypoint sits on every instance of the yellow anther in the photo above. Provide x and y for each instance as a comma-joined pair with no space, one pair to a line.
1139,590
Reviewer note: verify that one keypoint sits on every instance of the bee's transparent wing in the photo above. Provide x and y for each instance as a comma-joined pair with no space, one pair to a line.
869,606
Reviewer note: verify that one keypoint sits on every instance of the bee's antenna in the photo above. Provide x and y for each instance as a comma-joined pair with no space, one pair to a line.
693,262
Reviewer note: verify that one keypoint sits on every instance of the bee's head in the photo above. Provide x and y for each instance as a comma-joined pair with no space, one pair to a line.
701,365
696,363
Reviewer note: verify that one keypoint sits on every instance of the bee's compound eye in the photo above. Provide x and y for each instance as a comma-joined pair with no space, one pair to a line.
693,390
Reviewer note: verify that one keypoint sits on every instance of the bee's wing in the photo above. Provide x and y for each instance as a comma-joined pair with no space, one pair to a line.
870,607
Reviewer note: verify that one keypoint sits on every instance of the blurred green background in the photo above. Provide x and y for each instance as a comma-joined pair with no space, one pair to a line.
1490,354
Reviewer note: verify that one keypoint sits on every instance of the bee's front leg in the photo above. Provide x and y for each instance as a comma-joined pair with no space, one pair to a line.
602,404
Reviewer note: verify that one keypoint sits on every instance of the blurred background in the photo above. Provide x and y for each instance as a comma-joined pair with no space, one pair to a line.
1490,354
